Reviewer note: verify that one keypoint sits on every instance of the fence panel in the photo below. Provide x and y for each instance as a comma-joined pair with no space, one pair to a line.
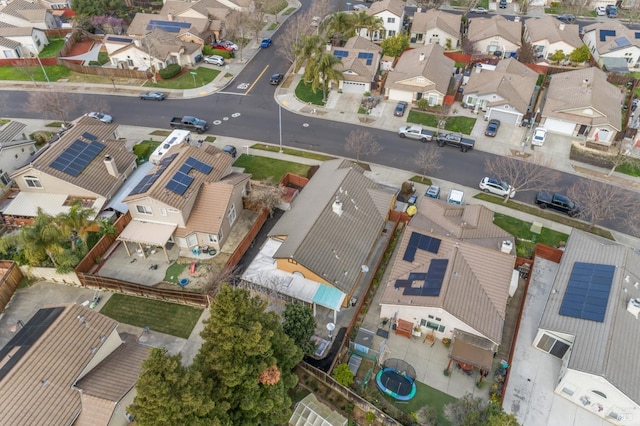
12,275
246,242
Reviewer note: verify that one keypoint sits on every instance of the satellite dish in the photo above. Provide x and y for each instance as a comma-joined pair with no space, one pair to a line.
364,268
331,326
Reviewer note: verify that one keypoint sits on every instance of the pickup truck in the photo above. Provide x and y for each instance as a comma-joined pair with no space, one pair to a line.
416,132
558,202
455,139
189,123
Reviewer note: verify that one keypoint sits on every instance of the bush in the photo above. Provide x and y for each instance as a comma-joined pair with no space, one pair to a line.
170,71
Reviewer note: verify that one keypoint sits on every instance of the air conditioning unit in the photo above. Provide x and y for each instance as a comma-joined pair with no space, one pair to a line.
633,307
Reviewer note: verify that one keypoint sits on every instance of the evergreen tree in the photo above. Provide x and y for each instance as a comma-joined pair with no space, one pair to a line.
299,324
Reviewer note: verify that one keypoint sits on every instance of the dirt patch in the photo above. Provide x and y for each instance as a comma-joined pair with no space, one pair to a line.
590,156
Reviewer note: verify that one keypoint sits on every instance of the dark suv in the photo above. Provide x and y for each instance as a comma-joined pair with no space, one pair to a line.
503,4
276,79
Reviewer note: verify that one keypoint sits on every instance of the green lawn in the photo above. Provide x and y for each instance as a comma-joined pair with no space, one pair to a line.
164,317
525,239
632,168
420,179
103,58
422,118
263,168
144,149
173,272
425,395
305,94
463,125
185,80
290,151
52,49
54,73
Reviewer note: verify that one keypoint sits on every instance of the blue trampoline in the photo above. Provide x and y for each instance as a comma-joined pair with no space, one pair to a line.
397,379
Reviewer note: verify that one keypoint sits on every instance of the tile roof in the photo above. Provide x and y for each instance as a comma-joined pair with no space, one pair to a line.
29,11
210,155
608,34
38,390
8,43
211,206
434,18
436,69
10,131
571,93
140,25
511,80
610,348
394,6
334,246
551,29
475,287
496,26
207,9
94,177
359,70
16,31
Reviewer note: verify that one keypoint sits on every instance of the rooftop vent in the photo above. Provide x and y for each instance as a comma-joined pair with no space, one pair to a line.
421,57
634,307
506,247
337,207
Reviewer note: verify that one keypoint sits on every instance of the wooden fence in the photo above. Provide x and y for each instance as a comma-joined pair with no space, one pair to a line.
105,72
98,251
246,242
12,275
294,180
458,57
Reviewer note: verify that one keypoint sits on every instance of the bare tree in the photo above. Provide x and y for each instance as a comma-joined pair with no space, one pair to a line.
620,153
428,158
600,201
293,36
526,53
468,47
238,27
362,143
50,103
441,112
532,174
267,195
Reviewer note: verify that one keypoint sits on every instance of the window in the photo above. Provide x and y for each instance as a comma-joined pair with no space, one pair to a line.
433,99
553,346
130,62
213,238
32,182
4,177
391,33
163,211
232,214
144,209
391,20
432,325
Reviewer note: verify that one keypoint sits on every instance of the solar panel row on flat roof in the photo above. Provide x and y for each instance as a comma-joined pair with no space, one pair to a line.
587,292
76,157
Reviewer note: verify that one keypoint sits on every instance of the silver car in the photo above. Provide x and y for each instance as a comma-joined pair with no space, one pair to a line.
100,116
215,60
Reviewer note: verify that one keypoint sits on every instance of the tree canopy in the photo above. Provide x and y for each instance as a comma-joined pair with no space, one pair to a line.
394,46
299,324
580,55
89,8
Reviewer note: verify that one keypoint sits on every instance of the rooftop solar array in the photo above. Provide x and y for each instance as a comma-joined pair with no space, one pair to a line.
198,165
622,41
340,53
168,26
587,293
367,56
181,180
121,39
636,34
606,33
89,136
26,337
74,159
422,242
431,280
146,182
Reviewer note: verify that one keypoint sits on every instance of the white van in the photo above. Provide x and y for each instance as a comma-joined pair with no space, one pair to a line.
455,197
175,138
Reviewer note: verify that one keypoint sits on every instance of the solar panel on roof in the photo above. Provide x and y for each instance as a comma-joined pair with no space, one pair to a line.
606,33
587,292
146,182
199,165
367,56
180,181
76,157
121,39
422,242
430,281
89,136
636,35
622,41
340,53
168,26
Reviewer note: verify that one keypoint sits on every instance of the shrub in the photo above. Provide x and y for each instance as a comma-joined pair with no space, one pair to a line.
343,375
170,71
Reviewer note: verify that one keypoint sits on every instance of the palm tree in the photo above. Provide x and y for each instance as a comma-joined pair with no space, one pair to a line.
74,223
308,47
375,25
320,71
42,239
338,24
362,20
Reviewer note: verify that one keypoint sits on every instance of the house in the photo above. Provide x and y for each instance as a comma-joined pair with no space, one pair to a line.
613,46
436,27
504,94
583,103
329,235
15,150
23,13
191,197
420,73
206,8
185,29
591,325
69,365
155,50
495,35
359,62
452,271
548,35
56,4
21,42
88,163
391,15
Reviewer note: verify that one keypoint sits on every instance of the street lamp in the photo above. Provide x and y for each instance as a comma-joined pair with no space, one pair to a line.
280,125
41,66
113,81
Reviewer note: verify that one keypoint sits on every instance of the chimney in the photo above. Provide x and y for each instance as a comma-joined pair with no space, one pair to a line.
337,207
421,58
506,247
585,83
328,47
137,42
169,17
561,26
112,169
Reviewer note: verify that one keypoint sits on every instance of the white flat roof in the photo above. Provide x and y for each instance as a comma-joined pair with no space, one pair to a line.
27,203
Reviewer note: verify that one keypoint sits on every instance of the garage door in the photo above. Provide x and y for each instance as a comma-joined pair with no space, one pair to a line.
559,126
505,117
354,87
400,95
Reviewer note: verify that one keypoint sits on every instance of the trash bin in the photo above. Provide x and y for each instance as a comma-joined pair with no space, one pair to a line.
353,301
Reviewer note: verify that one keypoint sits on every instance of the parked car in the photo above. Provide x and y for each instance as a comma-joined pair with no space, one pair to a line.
601,11
214,60
266,42
567,18
539,136
401,107
198,59
100,116
315,21
558,202
276,79
221,46
433,192
360,7
612,11
492,128
503,4
479,10
494,186
231,150
152,96
229,44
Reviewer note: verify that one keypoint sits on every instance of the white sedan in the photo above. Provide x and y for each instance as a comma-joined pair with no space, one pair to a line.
497,187
539,136
100,116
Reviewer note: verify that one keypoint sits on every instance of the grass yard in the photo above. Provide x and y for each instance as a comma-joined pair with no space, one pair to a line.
263,168
459,124
421,179
425,395
525,239
164,317
103,58
144,149
163,133
52,49
185,80
290,151
55,73
173,272
305,94
422,118
631,168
